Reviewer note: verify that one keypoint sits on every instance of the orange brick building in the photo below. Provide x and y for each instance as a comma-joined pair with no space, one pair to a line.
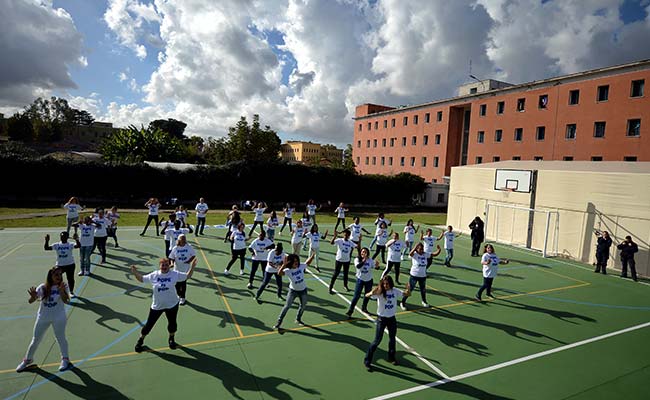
597,115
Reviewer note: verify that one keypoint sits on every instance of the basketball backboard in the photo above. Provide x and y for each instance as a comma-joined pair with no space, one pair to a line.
513,180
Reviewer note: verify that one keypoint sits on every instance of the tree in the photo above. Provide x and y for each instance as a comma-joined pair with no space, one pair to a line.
348,162
251,143
137,145
215,151
171,126
82,118
20,128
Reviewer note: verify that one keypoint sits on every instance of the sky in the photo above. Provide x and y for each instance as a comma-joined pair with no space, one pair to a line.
302,65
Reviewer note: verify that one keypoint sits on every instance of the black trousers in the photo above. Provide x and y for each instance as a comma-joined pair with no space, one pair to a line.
380,250
601,262
285,222
382,323
149,219
100,243
170,313
255,264
69,274
487,285
265,282
200,225
339,220
476,246
235,255
389,267
338,265
632,264
181,289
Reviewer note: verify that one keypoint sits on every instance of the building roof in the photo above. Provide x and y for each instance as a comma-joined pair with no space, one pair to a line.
601,167
642,64
175,166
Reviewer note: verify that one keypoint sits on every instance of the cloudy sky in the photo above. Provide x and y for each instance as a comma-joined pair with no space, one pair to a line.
303,65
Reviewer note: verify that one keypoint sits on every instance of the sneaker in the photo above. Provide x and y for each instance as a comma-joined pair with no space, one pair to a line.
142,234
226,272
347,289
349,314
394,362
331,291
172,343
490,296
365,310
277,327
139,345
24,364
65,364
280,298
81,273
182,301
249,286
478,298
72,295
257,299
87,273
318,270
299,322
368,367
425,304
402,306
241,272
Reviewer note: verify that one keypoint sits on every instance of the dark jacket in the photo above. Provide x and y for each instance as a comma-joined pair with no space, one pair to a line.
628,250
603,245
477,230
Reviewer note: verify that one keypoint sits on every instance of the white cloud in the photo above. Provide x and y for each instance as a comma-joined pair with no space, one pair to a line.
131,21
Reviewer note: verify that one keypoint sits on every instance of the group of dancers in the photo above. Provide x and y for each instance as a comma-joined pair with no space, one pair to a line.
169,280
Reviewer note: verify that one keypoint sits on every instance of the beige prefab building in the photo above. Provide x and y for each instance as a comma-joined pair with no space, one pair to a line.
571,200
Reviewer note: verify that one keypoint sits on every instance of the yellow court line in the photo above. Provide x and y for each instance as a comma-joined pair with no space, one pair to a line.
12,251
561,275
447,295
225,301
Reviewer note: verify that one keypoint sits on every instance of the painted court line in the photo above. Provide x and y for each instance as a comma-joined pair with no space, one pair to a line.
509,363
12,251
400,341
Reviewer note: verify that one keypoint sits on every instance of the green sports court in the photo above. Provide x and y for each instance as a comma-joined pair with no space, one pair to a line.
556,330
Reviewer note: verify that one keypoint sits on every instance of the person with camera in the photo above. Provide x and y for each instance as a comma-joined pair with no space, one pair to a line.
628,248
602,251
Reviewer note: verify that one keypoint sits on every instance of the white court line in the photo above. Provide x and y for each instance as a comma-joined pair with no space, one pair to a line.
11,251
400,341
509,363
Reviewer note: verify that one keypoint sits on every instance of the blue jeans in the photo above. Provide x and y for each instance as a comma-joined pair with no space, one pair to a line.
302,295
84,254
487,285
270,233
450,255
422,282
383,323
265,282
367,287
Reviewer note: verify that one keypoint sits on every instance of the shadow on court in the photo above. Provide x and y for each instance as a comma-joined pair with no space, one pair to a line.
105,313
232,377
88,389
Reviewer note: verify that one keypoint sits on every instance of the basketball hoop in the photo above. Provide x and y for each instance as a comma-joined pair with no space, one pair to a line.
506,189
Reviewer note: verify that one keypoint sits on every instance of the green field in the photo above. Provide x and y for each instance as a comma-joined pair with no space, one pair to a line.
490,350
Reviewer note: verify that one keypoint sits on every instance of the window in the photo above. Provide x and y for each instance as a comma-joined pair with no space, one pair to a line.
403,141
473,90
574,97
570,132
392,123
401,161
424,161
358,161
383,160
392,142
482,110
479,160
437,141
441,197
390,160
519,134
376,125
599,129
359,144
596,158
603,93
383,142
496,159
481,137
501,105
435,161
427,118
426,140
540,133
439,116
629,158
516,158
543,101
412,161
521,105
538,158
405,121
414,140
374,143
368,143
374,160
367,160
385,123
369,125
637,88
416,119
498,135
360,126
567,158
633,127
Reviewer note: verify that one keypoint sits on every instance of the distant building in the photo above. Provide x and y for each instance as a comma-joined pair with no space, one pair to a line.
91,136
310,153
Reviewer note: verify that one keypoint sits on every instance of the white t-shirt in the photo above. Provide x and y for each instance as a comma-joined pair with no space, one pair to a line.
113,217
311,209
365,272
297,277
378,222
153,209
100,228
274,261
306,223
73,210
259,214
395,251
87,235
288,213
298,234
260,250
174,234
238,240
164,290
355,232
201,210
272,223
429,242
419,265
343,249
340,212
52,307
387,306
181,256
449,239
314,240
168,226
409,233
181,215
382,237
490,269
64,253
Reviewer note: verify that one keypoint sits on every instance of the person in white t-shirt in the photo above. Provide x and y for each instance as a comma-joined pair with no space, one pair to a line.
364,266
311,209
64,256
490,262
260,249
232,222
340,215
181,215
297,234
395,247
111,230
53,295
153,205
381,238
87,240
167,228
418,273
201,209
314,238
272,224
274,260
409,236
387,297
174,234
182,256
288,215
295,271
101,233
237,249
429,242
164,299
306,224
344,248
380,218
355,230
72,216
449,236
259,217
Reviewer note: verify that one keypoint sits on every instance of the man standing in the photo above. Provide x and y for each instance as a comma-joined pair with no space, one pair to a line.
477,235
201,211
602,251
628,248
